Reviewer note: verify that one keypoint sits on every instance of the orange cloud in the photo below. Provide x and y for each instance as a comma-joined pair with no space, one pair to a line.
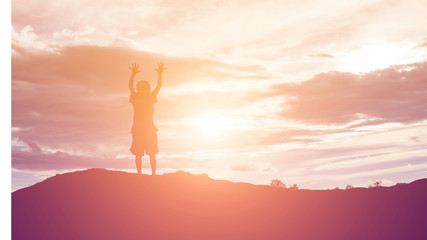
389,95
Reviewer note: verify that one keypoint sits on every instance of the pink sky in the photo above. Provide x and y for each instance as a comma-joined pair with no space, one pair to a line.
317,93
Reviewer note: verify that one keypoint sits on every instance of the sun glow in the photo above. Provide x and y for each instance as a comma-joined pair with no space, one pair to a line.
210,125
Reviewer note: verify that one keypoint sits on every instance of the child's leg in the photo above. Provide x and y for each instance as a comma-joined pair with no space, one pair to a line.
153,163
138,162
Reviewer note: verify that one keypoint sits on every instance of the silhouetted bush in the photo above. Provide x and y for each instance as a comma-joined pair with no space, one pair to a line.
293,187
348,187
376,183
277,183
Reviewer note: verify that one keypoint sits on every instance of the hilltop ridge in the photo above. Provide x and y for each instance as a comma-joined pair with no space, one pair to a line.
105,204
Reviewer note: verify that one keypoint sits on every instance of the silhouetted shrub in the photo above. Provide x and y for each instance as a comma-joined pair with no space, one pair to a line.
293,187
348,187
277,183
376,183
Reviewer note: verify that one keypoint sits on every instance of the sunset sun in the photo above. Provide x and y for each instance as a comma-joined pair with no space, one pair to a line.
210,126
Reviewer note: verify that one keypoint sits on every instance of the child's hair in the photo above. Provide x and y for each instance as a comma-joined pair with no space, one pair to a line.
143,87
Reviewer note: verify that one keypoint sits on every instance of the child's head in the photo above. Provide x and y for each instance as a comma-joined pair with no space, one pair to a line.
143,87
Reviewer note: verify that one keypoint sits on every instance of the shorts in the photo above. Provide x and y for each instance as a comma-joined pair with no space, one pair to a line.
144,142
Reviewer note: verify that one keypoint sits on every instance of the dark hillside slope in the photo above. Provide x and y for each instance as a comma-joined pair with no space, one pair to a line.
104,204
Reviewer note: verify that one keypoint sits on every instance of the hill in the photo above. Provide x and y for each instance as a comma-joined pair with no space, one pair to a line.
104,204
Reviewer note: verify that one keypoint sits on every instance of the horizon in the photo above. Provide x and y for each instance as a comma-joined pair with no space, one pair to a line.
315,94
186,173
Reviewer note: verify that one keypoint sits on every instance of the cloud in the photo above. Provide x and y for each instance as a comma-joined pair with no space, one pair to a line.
389,95
60,160
415,139
245,168
423,44
27,39
291,135
322,55
225,30
106,68
266,168
34,147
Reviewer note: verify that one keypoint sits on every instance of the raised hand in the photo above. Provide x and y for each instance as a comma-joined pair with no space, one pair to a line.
134,68
160,67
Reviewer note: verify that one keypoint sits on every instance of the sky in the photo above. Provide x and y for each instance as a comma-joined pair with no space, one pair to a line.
316,93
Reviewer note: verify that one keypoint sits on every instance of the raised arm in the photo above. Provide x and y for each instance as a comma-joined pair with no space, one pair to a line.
160,68
135,70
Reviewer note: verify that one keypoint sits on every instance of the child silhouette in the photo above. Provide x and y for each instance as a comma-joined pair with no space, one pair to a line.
144,132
